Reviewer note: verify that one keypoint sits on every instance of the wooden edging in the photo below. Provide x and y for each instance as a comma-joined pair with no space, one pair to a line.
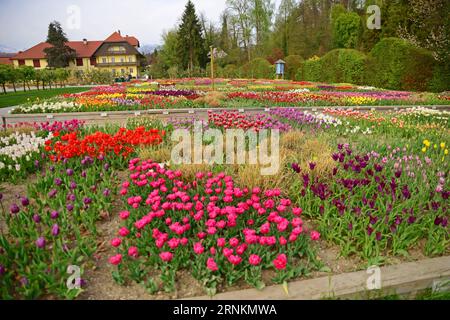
402,279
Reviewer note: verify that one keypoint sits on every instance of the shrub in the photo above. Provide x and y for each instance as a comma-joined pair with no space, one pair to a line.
397,64
293,63
258,68
310,70
343,65
230,71
441,78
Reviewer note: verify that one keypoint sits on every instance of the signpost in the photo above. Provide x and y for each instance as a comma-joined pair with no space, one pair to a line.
215,54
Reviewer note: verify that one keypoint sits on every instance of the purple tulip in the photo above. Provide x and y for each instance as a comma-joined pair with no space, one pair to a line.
106,166
36,163
58,181
54,214
55,230
378,236
52,168
106,192
40,242
37,218
87,200
2,270
312,165
70,207
83,174
73,185
52,193
437,221
71,197
25,202
296,167
24,281
14,208
69,172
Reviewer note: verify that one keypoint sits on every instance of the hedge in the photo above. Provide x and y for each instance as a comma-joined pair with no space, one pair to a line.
258,68
397,64
293,63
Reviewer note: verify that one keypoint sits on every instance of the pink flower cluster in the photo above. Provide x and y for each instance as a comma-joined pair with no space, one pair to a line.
209,219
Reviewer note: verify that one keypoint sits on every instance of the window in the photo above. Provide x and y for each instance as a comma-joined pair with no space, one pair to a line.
93,61
122,60
113,59
104,60
21,62
36,63
130,59
131,70
79,62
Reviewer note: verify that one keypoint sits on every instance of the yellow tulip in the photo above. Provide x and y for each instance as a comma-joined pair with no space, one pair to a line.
446,152
424,150
442,145
427,143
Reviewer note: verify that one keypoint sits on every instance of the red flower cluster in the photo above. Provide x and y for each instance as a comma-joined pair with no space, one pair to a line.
235,120
100,143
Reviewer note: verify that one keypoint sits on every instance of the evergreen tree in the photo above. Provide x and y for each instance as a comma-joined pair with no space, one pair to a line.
191,44
59,54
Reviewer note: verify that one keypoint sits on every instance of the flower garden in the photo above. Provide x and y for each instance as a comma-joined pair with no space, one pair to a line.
372,187
198,93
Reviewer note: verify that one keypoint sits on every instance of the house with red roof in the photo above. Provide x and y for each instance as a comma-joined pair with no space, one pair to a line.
117,54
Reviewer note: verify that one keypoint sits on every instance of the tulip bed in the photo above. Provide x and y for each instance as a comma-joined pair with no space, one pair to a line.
195,93
373,185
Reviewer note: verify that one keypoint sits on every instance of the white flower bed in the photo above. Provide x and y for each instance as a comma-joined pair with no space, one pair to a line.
48,107
19,148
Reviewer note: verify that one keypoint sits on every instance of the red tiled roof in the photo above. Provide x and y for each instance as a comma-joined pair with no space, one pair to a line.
83,50
132,40
5,60
117,37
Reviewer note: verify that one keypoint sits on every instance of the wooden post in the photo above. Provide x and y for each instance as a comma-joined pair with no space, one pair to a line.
212,67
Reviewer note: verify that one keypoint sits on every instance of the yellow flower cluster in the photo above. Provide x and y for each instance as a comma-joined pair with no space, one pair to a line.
360,100
442,146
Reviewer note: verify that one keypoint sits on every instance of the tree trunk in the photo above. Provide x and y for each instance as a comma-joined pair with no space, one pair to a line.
4,88
24,88
14,86
28,85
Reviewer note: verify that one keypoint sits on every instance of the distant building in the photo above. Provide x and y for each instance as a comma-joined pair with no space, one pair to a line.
5,58
117,54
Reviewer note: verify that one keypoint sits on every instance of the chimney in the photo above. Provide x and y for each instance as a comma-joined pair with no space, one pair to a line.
85,41
118,31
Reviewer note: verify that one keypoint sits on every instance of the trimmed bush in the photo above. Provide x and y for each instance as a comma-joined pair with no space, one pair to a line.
441,78
397,64
293,63
343,65
310,70
230,71
258,68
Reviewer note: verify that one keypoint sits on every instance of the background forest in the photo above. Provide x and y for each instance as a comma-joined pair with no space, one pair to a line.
320,40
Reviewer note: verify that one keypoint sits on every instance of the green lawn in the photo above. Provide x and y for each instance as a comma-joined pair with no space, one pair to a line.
15,98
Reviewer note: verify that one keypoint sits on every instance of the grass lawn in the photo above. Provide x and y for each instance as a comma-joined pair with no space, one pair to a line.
15,98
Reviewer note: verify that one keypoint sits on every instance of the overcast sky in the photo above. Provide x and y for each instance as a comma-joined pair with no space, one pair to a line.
23,23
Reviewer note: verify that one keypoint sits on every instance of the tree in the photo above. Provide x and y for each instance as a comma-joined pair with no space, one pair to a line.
59,54
262,13
4,76
12,75
285,11
346,29
191,45
26,74
62,75
241,19
224,42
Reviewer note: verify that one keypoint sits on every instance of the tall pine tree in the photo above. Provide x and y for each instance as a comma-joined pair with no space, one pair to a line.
59,54
191,44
